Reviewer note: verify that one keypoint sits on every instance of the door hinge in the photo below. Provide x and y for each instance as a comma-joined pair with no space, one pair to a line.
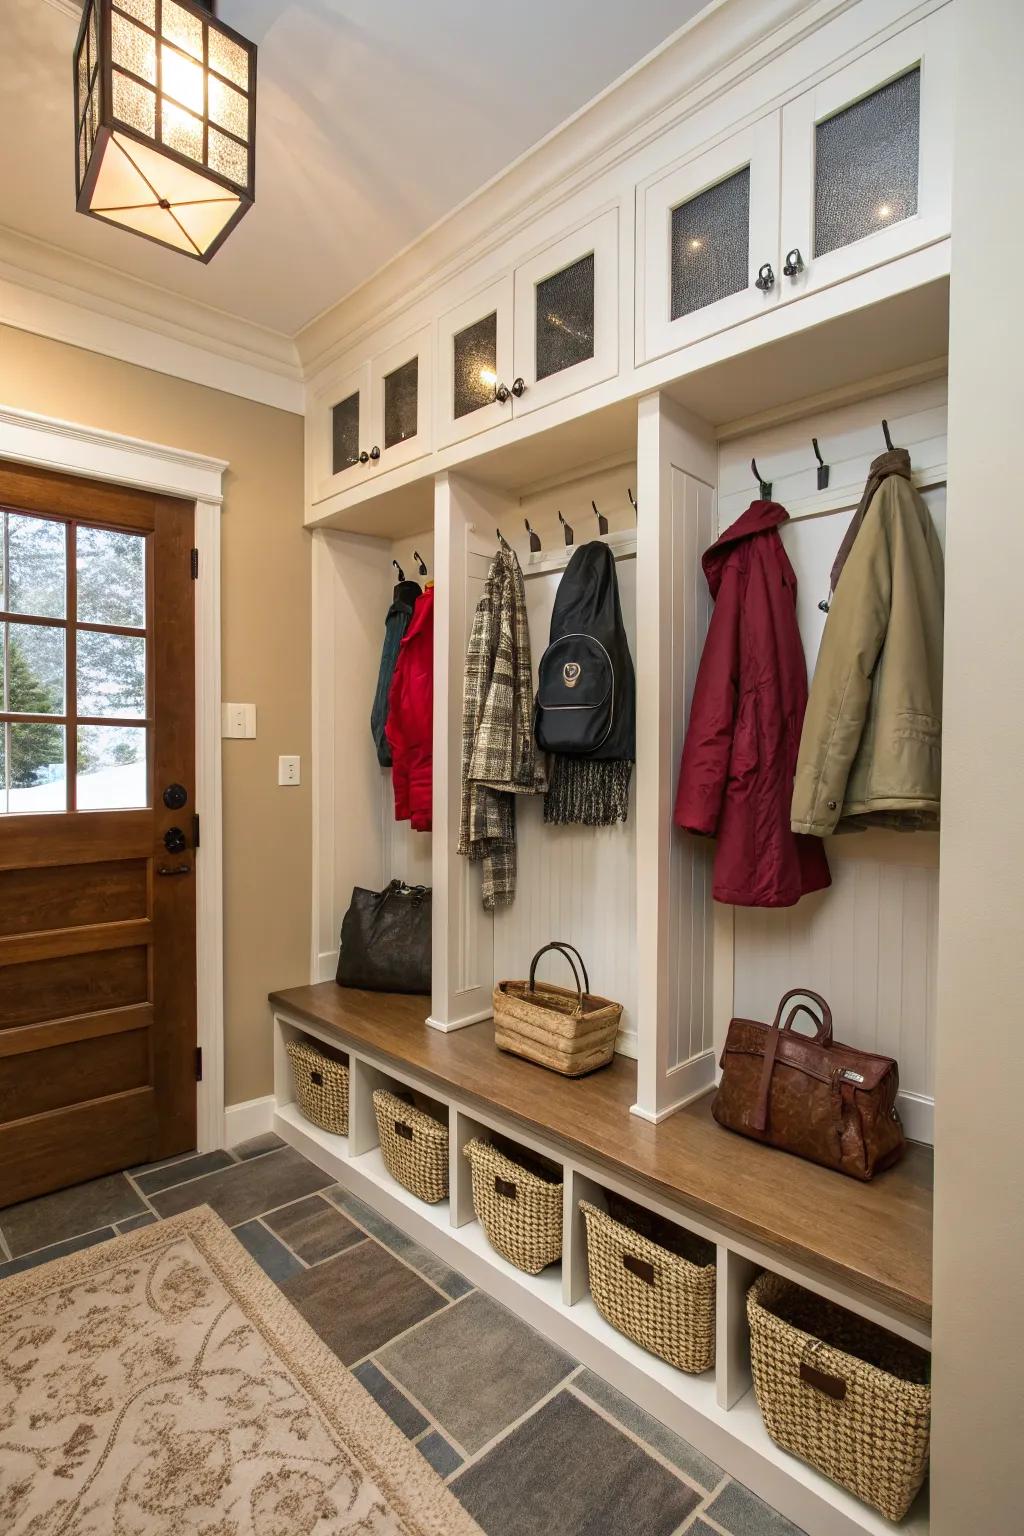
199,1063
195,829
194,564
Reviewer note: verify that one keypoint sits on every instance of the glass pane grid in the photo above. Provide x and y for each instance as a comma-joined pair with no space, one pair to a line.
711,244
866,164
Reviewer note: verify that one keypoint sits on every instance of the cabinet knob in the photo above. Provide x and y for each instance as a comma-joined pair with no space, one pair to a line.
794,263
765,277
364,457
375,453
518,385
502,393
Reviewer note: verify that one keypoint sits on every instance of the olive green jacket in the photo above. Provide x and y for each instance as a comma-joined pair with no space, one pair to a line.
870,753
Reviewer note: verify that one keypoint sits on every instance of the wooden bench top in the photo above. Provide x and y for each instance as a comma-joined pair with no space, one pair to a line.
876,1237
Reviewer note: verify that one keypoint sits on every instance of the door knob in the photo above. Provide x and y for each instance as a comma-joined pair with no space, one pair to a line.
175,840
502,393
794,263
375,453
175,796
518,385
765,277
364,457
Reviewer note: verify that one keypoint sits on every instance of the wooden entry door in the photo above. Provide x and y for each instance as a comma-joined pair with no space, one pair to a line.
97,841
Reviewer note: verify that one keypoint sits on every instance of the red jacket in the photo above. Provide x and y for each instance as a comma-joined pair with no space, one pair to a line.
739,757
410,725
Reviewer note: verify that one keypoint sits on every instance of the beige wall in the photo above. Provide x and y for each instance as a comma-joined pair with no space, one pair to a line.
266,652
979,1167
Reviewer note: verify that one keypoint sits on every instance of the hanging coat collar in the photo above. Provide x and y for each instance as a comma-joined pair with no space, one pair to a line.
760,517
895,461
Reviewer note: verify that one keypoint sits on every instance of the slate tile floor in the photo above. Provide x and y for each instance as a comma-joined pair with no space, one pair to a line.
531,1442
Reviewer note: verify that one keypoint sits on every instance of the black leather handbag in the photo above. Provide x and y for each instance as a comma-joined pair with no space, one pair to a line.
385,939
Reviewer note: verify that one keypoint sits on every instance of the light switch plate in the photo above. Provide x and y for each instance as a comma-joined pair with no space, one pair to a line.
288,770
238,720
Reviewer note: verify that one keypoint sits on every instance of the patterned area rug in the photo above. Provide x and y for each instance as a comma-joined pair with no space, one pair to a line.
160,1383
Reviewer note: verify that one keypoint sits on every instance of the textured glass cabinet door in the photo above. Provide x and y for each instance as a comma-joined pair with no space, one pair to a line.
475,366
711,244
866,164
345,434
475,373
338,420
565,317
401,403
399,414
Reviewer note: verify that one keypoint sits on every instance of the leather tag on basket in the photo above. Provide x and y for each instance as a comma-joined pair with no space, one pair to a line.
832,1386
507,1188
642,1268
403,1130
316,1078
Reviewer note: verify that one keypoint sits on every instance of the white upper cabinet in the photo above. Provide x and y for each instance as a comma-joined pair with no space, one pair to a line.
400,383
338,421
866,160
708,231
474,364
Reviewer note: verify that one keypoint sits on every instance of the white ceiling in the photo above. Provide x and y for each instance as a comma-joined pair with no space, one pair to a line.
374,120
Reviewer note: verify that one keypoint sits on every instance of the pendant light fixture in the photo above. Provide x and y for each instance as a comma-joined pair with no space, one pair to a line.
165,117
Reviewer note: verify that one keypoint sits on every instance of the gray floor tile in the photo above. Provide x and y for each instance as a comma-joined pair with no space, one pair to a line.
360,1299
164,1162
444,1458
476,1368
315,1229
257,1145
742,1513
57,1251
181,1171
395,1404
246,1189
698,1528
435,1269
134,1222
650,1430
567,1458
68,1213
270,1255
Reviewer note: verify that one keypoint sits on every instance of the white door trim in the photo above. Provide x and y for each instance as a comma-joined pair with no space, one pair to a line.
72,449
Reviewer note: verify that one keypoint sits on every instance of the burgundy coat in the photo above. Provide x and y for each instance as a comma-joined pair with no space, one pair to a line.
739,757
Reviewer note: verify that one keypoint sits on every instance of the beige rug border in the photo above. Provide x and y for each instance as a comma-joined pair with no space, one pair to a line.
408,1482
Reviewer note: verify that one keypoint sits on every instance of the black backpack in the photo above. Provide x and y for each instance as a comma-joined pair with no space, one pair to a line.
586,692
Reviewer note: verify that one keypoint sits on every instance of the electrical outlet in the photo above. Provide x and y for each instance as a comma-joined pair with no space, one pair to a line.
238,720
288,770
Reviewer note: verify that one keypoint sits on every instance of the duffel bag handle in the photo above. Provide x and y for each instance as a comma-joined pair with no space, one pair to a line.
568,950
822,1026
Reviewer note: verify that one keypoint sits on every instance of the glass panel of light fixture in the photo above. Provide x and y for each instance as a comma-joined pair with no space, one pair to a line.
866,165
181,131
142,10
227,158
228,107
711,245
181,27
36,559
83,155
131,48
94,51
83,80
476,364
182,79
228,59
134,104
401,389
565,318
35,669
345,434
204,221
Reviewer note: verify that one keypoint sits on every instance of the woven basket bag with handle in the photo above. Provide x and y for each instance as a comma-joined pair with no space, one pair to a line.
570,1031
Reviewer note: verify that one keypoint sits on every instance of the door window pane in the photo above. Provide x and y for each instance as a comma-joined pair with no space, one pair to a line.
111,577
111,767
33,663
711,245
34,763
476,363
35,566
401,389
565,318
866,165
111,674
345,434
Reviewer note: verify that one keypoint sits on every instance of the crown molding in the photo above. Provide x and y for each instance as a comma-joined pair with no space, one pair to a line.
53,293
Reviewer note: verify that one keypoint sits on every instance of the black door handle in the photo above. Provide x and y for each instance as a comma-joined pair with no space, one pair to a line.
179,869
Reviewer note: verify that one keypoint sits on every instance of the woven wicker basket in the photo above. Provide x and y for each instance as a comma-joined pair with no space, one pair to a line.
841,1393
414,1146
568,1030
520,1211
663,1301
321,1085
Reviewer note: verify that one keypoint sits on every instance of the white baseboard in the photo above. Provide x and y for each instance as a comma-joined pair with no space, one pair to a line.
446,1026
917,1111
252,1118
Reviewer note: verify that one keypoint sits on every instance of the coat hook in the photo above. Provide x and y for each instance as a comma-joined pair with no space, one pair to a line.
602,521
502,540
398,568
822,466
420,562
885,432
569,536
534,538
764,487
632,502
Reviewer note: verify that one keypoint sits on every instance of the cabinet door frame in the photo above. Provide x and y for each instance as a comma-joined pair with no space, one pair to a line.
417,345
331,392
757,146
497,297
927,44
599,235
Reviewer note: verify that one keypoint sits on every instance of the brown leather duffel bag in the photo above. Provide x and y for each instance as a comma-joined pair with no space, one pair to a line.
821,1100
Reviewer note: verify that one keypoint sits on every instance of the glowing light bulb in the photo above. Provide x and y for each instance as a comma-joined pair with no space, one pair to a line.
488,377
885,210
696,245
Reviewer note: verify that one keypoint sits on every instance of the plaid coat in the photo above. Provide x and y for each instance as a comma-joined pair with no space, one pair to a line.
499,756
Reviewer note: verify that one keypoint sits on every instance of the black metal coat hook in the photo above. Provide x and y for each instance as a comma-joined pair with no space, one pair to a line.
885,434
420,562
602,521
567,527
632,502
764,487
502,539
534,538
398,568
823,469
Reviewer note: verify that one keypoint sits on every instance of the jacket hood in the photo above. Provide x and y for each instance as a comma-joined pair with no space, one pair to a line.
760,517
422,615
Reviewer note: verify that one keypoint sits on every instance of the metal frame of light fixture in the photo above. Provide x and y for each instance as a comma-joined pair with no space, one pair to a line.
107,124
